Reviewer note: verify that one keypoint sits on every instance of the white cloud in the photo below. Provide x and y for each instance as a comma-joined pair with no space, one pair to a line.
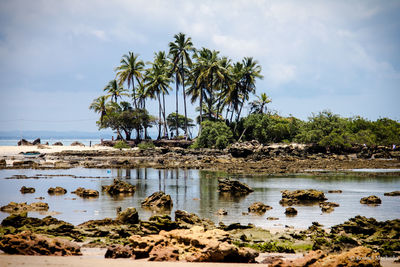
278,74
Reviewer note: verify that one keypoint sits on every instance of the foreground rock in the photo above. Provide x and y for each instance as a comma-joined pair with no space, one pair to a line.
358,256
14,207
374,200
301,196
28,243
56,191
188,220
158,200
259,207
119,187
391,194
86,193
192,245
128,216
27,190
233,186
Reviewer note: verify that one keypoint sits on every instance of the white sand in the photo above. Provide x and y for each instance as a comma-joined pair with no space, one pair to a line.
16,150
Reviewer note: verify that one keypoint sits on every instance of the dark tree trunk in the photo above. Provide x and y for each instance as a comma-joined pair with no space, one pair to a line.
159,117
184,99
177,89
165,122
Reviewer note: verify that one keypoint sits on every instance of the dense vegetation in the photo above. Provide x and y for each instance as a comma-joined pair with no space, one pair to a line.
221,88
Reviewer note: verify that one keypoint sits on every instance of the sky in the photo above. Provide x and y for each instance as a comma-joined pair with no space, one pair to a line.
57,56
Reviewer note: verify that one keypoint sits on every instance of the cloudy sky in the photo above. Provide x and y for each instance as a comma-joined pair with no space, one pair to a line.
57,56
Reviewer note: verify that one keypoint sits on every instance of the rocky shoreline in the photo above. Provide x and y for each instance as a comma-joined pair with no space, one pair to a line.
248,158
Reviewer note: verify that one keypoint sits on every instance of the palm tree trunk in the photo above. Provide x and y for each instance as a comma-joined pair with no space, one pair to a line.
165,122
184,98
201,109
159,117
177,88
134,93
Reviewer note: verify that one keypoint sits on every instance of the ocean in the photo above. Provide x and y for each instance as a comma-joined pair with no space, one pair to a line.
66,142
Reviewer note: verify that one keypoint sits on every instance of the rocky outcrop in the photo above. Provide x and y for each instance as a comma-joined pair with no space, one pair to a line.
119,187
58,144
233,186
157,223
14,207
193,245
86,193
301,196
76,143
259,207
57,190
118,251
391,194
158,200
3,163
27,190
24,142
244,149
291,211
28,243
128,216
188,220
358,256
36,142
328,206
374,200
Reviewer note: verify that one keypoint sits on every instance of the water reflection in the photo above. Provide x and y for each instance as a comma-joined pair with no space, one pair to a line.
197,191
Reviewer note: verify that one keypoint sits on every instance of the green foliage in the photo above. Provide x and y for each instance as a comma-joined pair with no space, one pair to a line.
171,122
121,144
146,145
214,135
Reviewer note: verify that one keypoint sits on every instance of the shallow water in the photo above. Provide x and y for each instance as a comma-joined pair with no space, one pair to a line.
196,191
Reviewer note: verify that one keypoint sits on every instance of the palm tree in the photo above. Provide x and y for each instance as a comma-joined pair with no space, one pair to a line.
260,104
115,90
251,71
157,84
179,50
99,106
131,68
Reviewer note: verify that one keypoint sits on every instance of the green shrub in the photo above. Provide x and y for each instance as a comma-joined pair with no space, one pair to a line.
121,144
146,145
214,135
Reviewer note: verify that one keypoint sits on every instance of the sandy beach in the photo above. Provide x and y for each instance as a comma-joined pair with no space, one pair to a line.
16,150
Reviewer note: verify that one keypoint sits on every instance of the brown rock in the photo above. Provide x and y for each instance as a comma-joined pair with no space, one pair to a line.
56,191
158,200
272,218
118,251
76,143
14,207
233,186
335,191
162,253
3,163
58,144
291,211
27,190
27,243
119,187
358,256
371,200
391,194
128,216
36,142
24,142
221,212
259,207
301,196
86,193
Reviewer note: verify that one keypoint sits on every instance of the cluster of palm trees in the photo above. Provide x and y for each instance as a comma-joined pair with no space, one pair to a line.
214,81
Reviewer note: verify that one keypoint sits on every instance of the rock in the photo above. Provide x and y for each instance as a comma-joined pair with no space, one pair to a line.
162,253
28,243
76,143
156,223
27,190
244,149
259,207
158,200
272,218
128,216
291,211
57,191
58,144
371,200
301,196
394,193
188,220
118,251
358,256
119,187
14,207
221,212
36,142
307,260
86,193
23,163
233,186
335,191
328,206
3,163
23,142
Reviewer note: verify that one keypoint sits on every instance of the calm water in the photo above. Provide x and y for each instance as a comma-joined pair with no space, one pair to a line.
66,142
196,191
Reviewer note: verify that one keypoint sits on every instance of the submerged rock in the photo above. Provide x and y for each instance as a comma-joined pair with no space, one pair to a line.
335,191
56,191
371,200
301,196
28,243
58,144
290,211
14,207
119,187
27,190
391,194
86,193
259,207
158,200
233,186
128,216
328,206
